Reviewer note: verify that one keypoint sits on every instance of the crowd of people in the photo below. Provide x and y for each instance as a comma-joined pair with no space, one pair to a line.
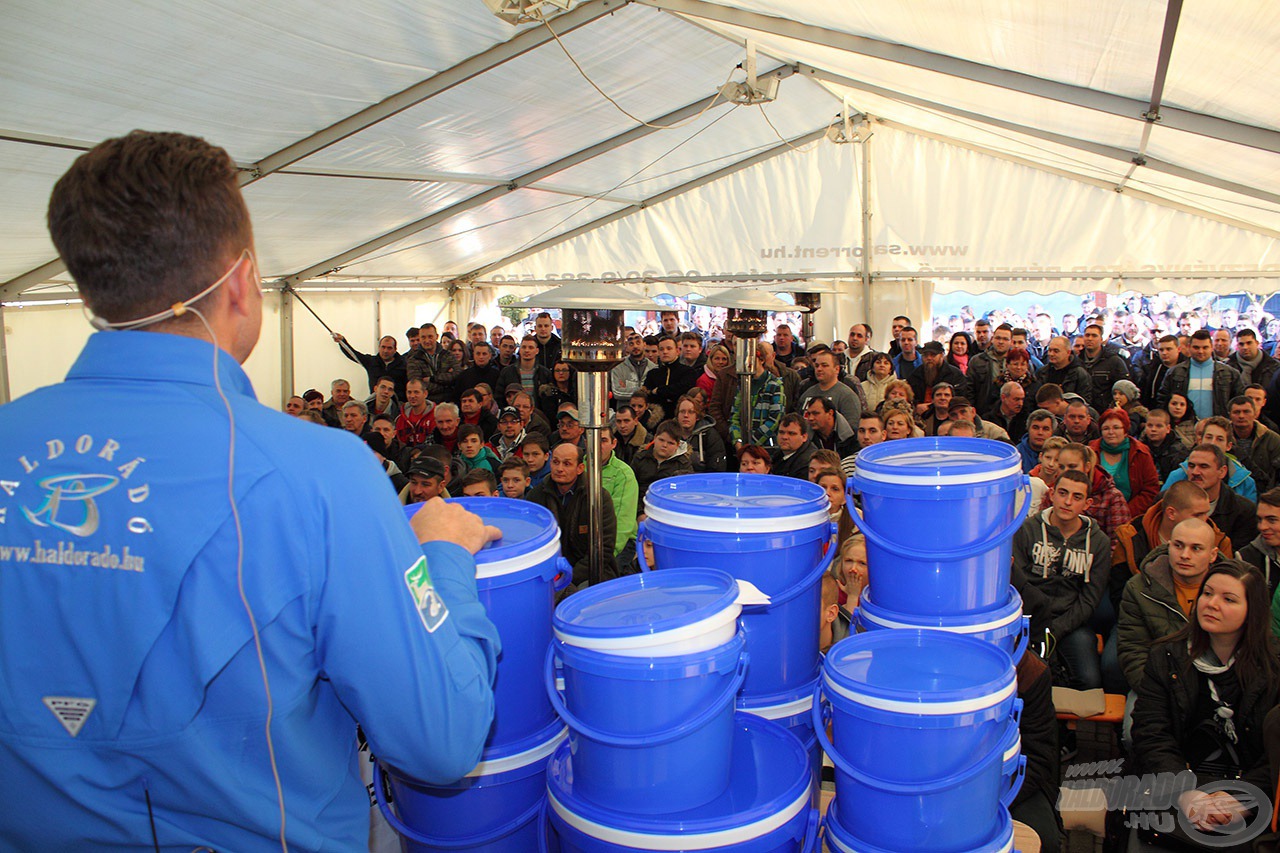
1153,464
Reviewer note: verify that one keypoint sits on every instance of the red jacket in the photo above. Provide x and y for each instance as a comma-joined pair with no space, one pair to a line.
1144,479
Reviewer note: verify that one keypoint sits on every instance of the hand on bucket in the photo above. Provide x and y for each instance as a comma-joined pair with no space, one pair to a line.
438,521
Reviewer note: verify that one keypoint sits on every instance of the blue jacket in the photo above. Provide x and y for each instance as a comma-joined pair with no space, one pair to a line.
1030,458
127,662
1238,478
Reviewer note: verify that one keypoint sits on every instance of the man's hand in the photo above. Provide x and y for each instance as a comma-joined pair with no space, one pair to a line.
438,521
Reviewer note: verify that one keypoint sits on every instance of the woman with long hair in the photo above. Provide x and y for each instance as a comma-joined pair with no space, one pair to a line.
1182,418
959,348
563,388
718,360
1205,693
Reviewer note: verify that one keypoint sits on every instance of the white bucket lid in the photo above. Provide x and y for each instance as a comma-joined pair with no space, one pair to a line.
782,710
921,468
924,709
511,565
715,630
1009,618
520,759
679,841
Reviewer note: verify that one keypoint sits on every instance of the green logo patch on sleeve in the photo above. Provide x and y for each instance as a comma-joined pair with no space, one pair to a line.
431,607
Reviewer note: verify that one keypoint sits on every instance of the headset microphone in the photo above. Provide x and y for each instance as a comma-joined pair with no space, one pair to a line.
177,310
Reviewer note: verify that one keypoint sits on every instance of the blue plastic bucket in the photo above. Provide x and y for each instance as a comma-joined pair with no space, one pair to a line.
1004,626
939,516
493,809
841,840
767,809
794,713
650,734
517,578
767,530
913,707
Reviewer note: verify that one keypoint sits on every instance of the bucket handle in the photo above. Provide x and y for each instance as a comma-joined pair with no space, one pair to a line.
648,739
559,572
1024,636
931,556
810,844
1007,798
821,713
465,843
544,823
805,583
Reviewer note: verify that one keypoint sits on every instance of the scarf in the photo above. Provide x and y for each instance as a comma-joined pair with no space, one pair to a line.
961,361
1247,367
1119,473
1209,664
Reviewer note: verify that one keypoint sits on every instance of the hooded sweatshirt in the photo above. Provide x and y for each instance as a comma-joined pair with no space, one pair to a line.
1061,579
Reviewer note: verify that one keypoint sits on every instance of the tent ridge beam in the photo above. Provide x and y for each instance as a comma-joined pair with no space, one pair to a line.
465,70
1186,120
1110,152
644,204
337,262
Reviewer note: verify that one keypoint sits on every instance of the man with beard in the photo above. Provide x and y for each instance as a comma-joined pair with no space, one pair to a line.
934,370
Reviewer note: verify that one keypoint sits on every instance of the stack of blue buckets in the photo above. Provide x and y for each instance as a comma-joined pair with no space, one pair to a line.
924,715
657,758
498,806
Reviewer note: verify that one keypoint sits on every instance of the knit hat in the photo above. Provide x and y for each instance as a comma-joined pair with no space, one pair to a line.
1127,388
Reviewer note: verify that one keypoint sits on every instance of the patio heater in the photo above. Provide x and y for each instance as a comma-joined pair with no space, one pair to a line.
747,321
591,343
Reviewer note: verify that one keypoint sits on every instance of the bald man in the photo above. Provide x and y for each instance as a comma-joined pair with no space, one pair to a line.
1158,600
1064,370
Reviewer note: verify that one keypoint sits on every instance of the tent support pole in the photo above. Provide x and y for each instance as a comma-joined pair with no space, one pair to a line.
286,346
4,360
865,146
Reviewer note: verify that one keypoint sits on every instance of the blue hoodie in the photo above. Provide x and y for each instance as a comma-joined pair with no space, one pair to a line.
1238,478
1030,458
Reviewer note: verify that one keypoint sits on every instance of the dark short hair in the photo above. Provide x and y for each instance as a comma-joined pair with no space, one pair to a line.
1246,333
1167,339
412,332
538,439
479,475
1077,477
670,429
792,419
1201,335
148,220
1219,457
468,430
514,463
473,394
1048,392
825,403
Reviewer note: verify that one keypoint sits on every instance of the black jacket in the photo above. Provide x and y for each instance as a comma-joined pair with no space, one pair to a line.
798,463
550,352
1104,371
1226,384
1168,455
375,368
1038,728
1263,374
946,373
473,376
573,515
649,470
1165,715
706,447
511,376
1072,378
667,382
1152,379
1235,516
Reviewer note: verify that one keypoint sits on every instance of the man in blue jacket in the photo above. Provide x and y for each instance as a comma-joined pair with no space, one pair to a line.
190,631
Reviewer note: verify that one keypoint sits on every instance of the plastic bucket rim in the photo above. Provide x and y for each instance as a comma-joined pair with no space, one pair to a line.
715,659
781,710
1014,750
1003,835
500,568
924,708
681,840
983,478
636,643
1012,613
884,464
778,524
505,764
722,587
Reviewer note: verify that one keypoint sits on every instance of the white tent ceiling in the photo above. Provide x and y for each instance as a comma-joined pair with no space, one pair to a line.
1014,144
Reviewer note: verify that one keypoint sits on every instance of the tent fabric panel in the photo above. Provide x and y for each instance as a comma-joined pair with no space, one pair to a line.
1225,61
27,176
299,219
254,77
42,342
1092,43
1227,160
537,108
480,236
714,141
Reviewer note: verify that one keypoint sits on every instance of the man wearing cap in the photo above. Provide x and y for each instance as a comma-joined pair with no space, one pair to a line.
1064,369
426,480
568,427
934,370
962,410
510,434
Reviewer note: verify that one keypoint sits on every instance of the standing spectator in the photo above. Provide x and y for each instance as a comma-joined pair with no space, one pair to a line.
433,364
791,457
1040,425
908,358
387,362
1167,450
1221,343
1209,385
670,379
1105,367
668,456
1064,370
785,346
1158,370
934,370
496,334
548,341
670,322
526,372
411,335
1262,552
1128,461
632,437
1061,563
1253,364
986,367
827,384
1254,446
564,492
415,424
482,370
1020,343
895,329
766,409
628,376
1258,396
877,380
858,356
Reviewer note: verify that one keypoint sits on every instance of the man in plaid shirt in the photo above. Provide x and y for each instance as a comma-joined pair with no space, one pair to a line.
766,409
